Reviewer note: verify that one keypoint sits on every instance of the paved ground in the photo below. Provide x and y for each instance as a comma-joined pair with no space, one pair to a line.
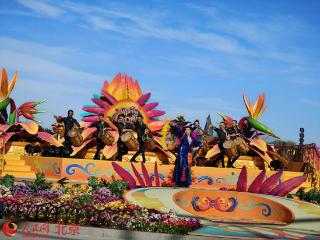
29,230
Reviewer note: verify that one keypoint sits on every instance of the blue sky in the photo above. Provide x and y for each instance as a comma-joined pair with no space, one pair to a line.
196,57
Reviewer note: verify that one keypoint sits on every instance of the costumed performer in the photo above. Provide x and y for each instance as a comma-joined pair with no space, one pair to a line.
101,126
222,137
122,126
141,128
69,123
182,171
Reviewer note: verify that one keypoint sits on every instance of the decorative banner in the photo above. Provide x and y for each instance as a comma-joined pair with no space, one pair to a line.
130,114
129,109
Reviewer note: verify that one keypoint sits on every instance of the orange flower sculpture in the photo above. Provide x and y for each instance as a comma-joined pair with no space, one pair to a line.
254,129
122,95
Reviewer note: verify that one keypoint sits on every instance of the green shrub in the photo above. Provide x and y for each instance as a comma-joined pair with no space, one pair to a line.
40,183
93,182
80,201
8,181
313,195
118,187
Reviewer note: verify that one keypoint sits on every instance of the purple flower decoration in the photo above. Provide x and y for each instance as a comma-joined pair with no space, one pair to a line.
21,190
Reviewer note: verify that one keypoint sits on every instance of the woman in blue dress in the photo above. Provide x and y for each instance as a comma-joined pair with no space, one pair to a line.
181,173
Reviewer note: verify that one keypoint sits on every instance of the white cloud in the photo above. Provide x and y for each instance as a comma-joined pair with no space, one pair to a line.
266,35
49,71
206,10
39,78
103,24
48,61
42,7
59,97
147,24
143,28
222,33
35,49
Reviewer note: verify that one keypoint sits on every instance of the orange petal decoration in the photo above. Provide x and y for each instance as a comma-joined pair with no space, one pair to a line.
110,151
30,127
156,126
213,151
259,143
5,138
75,150
4,89
120,91
4,127
88,132
4,84
258,108
49,138
258,105
85,124
123,87
246,104
12,83
264,156
137,88
114,83
105,86
262,111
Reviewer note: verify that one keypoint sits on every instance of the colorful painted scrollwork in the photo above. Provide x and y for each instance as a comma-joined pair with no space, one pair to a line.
219,203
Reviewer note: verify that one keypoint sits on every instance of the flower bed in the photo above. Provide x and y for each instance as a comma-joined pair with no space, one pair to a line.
97,204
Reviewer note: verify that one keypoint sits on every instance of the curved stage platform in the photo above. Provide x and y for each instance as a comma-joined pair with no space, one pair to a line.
230,214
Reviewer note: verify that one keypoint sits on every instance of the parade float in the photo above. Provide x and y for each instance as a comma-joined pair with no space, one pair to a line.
123,95
251,193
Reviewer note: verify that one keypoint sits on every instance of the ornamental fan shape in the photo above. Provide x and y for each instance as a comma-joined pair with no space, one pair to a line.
124,89
145,181
269,186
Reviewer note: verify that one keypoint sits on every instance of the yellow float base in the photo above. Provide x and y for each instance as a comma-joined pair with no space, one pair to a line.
79,170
